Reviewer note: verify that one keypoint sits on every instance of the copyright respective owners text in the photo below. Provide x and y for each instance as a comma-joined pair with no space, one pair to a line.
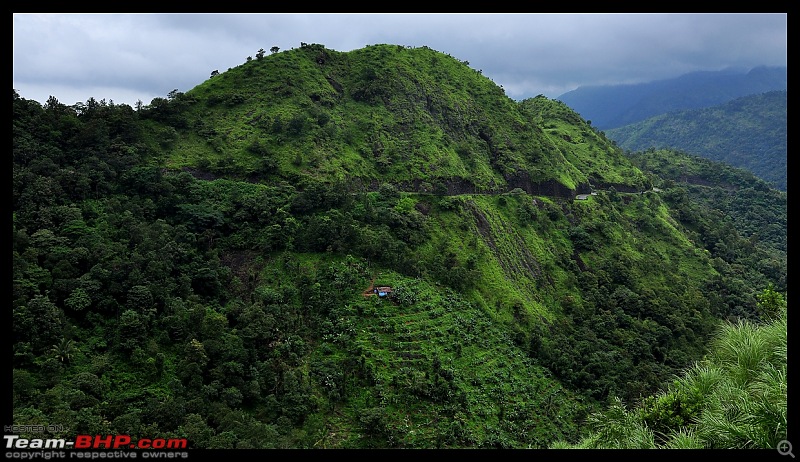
26,444
94,454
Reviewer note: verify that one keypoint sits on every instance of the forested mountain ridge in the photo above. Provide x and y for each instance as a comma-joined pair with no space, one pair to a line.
748,132
196,267
614,106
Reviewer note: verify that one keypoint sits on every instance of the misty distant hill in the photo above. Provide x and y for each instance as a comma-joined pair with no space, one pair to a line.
748,132
614,106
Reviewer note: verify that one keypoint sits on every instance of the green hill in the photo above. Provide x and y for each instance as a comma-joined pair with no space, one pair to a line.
200,267
748,132
382,114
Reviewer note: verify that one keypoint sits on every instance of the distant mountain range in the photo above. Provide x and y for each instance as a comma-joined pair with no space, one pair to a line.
615,106
747,132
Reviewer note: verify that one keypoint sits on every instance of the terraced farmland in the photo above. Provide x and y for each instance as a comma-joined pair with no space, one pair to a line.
429,349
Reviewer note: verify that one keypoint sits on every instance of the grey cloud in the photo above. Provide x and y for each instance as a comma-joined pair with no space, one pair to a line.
529,54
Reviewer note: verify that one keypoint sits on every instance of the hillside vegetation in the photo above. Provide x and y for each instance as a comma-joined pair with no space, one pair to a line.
748,132
199,267
733,399
414,118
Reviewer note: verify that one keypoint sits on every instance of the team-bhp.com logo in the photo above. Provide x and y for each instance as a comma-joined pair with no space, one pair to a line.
94,442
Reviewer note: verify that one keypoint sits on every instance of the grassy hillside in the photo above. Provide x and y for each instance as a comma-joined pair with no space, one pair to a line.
197,268
415,118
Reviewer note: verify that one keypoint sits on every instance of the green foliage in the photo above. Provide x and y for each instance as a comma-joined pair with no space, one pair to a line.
771,303
197,267
617,428
64,350
734,399
667,412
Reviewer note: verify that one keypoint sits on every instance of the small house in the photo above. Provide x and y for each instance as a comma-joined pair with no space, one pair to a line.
382,291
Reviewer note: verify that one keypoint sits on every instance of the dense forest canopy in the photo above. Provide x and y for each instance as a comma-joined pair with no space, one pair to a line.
200,267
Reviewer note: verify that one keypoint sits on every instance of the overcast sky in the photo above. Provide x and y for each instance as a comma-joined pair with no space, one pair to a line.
140,56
